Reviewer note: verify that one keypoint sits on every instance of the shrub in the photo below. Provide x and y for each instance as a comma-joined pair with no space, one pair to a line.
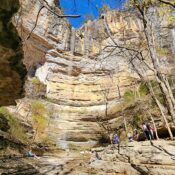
132,95
35,88
38,108
104,9
162,51
16,129
129,96
143,90
171,19
39,112
136,121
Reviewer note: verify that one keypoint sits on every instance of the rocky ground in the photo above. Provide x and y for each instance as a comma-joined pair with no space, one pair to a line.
141,158
63,163
136,158
16,166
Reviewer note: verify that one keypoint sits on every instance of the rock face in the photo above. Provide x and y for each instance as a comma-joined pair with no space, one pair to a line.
16,166
12,70
138,158
41,31
80,75
4,126
78,80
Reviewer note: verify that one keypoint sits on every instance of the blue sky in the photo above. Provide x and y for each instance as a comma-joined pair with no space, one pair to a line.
84,7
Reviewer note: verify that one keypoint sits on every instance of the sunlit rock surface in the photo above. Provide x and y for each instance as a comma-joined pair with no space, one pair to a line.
137,158
40,31
79,71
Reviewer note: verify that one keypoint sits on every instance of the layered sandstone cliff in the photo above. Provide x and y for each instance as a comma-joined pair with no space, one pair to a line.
80,71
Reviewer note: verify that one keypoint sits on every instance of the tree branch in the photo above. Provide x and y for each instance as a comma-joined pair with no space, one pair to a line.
50,9
167,3
35,23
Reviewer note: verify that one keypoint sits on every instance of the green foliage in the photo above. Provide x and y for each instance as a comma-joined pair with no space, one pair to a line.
146,4
16,129
154,83
39,112
38,108
134,102
35,81
171,20
105,8
143,90
133,95
138,3
137,120
157,91
129,96
38,86
39,122
171,81
162,51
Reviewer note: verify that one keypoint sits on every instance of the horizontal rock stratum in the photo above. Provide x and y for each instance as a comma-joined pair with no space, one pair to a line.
80,68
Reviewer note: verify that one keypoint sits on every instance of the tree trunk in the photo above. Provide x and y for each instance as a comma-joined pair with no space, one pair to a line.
148,84
167,96
34,137
157,137
167,92
170,91
106,109
161,110
164,85
125,124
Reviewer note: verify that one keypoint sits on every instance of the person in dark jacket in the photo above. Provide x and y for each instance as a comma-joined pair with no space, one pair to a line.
146,131
150,130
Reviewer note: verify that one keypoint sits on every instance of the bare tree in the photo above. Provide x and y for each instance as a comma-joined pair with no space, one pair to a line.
152,119
167,2
135,55
161,78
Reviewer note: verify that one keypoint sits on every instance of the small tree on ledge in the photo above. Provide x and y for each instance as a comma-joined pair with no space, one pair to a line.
39,112
105,8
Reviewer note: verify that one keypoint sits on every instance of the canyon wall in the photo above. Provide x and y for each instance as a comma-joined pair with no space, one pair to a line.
78,68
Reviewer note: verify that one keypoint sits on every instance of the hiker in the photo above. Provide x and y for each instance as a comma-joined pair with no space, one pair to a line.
135,135
130,137
150,131
116,139
31,154
95,157
146,131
